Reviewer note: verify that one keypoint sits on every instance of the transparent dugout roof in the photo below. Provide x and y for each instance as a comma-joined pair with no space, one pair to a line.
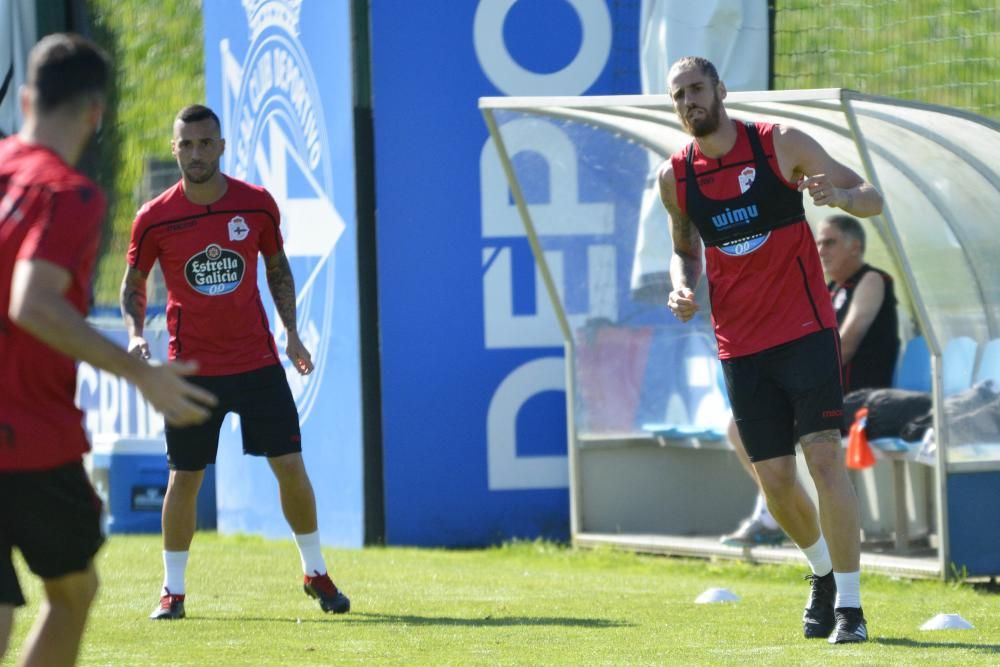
585,167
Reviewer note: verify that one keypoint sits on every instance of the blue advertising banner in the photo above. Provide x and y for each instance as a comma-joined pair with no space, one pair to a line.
473,376
278,72
112,405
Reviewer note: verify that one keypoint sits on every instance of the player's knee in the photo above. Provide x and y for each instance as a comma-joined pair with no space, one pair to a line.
824,455
73,592
185,482
288,466
777,479
830,478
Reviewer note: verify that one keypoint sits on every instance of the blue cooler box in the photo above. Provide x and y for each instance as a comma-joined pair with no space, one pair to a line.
130,475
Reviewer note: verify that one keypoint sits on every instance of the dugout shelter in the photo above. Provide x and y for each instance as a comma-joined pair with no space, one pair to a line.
650,468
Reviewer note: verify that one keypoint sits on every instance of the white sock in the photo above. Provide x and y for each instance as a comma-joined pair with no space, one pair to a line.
311,554
174,567
818,556
761,512
848,589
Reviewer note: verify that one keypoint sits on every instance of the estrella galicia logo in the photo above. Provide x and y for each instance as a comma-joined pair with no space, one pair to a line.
215,271
745,246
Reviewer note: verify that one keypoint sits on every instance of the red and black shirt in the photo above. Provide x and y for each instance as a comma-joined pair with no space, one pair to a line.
51,212
208,255
764,275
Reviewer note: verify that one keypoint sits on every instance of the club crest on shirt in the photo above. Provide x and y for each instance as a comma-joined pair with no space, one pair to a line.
238,229
746,178
215,271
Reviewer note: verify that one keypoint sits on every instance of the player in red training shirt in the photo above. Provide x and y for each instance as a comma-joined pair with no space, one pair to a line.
206,231
50,218
735,192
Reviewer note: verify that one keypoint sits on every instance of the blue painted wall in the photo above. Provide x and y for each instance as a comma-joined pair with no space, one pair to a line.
974,523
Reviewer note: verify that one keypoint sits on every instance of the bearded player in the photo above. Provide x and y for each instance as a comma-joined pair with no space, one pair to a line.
207,232
736,193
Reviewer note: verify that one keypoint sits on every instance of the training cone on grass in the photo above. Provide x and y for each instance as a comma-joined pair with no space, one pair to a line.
859,451
717,595
947,622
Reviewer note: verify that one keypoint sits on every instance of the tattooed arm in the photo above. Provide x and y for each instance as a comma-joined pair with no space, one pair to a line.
38,305
133,304
686,262
282,286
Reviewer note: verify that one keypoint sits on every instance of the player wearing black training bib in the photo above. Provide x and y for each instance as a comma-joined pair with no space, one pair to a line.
773,318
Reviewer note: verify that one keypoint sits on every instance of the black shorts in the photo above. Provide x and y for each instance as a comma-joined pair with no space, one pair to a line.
782,393
268,417
53,517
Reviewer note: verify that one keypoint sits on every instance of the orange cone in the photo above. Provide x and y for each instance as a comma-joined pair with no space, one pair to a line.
859,452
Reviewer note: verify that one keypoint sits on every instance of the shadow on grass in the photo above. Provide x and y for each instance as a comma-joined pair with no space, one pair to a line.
487,621
407,619
254,619
912,643
991,587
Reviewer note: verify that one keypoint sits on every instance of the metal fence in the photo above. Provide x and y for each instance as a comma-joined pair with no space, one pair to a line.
938,51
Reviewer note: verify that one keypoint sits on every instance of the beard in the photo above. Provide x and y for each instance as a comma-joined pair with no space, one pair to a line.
708,123
208,171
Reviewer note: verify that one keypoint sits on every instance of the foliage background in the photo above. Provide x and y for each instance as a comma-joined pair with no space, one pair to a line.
938,51
158,50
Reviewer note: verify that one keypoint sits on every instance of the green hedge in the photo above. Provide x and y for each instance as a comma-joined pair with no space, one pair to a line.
938,51
158,49
928,50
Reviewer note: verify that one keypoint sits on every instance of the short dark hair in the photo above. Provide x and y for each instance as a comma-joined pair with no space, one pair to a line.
704,64
66,68
848,226
197,112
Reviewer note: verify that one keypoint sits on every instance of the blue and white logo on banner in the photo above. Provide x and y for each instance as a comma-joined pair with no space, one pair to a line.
278,73
276,137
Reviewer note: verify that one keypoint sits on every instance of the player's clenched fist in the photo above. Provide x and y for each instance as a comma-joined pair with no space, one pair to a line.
681,304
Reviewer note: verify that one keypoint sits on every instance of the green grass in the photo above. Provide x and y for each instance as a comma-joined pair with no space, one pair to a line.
521,604
937,51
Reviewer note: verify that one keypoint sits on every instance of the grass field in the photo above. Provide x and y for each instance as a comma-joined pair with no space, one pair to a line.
936,51
521,604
